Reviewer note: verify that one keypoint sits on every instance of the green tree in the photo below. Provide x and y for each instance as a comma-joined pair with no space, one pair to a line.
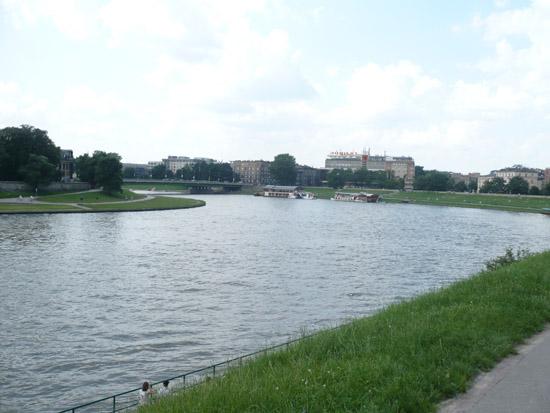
283,169
169,174
518,185
129,173
534,190
17,144
108,171
185,173
158,171
494,186
85,169
201,171
546,189
337,178
38,171
460,186
433,181
472,185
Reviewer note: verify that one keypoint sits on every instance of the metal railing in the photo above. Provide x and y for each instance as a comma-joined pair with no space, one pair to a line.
128,400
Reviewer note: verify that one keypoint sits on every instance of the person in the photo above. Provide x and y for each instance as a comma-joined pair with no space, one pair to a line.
145,393
164,390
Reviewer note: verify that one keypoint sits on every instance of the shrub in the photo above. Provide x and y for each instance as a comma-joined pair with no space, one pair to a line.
508,258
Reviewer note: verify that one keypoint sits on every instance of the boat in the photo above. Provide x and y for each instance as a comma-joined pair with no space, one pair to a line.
546,211
275,191
309,196
355,197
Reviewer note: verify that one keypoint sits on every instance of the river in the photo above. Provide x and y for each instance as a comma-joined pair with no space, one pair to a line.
93,304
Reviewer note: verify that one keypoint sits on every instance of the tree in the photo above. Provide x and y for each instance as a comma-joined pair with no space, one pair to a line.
85,169
546,189
460,186
184,173
433,181
283,169
102,169
337,178
38,171
108,171
158,171
17,144
494,186
534,190
169,174
472,185
518,185
129,173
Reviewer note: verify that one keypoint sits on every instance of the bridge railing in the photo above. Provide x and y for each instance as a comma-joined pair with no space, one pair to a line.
128,400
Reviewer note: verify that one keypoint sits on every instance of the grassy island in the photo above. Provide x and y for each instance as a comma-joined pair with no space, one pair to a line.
95,201
407,358
518,203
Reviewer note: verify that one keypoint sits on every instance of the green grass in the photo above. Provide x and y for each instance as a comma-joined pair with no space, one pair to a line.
25,208
521,203
407,358
158,187
151,204
91,197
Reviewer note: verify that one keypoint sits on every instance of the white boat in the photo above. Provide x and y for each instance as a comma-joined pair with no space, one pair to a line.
355,197
309,196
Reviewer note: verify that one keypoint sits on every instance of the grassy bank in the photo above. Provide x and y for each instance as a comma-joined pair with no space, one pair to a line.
157,203
96,201
327,193
518,203
407,358
35,208
91,197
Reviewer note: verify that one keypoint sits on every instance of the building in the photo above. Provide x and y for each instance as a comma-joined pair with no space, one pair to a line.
253,172
533,176
66,165
173,163
401,167
307,176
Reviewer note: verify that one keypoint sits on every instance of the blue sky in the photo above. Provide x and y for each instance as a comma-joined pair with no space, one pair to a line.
460,86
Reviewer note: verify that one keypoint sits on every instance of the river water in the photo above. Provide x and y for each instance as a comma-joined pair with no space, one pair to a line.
93,304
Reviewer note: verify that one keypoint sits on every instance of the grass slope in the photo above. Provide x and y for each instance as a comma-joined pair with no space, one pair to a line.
406,358
150,204
518,203
26,208
91,197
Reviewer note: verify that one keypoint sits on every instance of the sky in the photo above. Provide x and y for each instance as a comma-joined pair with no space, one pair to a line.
460,86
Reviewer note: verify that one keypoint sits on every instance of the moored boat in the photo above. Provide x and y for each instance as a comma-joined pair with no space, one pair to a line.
355,197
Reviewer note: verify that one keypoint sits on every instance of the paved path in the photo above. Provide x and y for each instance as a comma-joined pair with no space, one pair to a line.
518,384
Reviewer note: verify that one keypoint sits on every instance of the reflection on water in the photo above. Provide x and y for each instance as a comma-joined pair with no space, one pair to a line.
94,304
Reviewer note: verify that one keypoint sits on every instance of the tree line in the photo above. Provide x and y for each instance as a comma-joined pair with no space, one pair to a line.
338,178
28,154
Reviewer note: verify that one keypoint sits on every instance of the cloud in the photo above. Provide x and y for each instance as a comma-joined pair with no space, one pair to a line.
66,15
147,18
374,90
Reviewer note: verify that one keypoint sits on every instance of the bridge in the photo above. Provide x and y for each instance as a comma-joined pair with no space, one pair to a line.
195,187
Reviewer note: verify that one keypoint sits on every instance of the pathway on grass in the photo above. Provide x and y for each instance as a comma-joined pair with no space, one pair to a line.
33,201
520,383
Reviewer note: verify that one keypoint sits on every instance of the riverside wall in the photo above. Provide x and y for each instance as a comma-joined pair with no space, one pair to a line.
14,186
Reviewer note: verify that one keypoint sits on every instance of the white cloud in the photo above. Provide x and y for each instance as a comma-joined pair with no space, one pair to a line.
373,90
148,18
66,15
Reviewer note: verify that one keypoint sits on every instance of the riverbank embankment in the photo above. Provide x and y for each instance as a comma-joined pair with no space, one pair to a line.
409,357
503,202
